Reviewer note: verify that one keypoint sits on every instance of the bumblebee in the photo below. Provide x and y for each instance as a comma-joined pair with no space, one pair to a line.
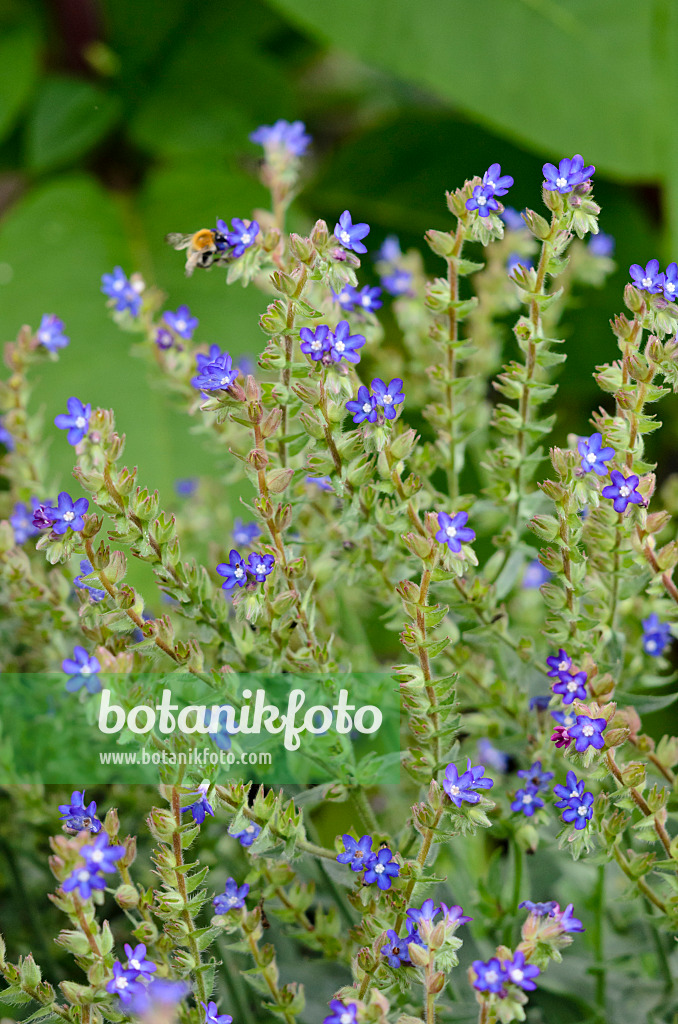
203,247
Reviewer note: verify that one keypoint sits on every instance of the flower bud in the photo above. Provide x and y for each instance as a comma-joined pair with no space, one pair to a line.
126,896
301,248
278,479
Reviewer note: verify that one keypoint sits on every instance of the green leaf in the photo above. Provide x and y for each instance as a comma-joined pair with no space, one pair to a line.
645,704
18,72
69,118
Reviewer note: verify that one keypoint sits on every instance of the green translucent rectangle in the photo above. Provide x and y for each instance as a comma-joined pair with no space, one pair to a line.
50,735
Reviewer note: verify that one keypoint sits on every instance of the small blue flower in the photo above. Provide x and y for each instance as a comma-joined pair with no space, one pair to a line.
315,343
521,973
67,514
100,856
232,898
161,993
200,807
567,175
181,322
260,566
323,482
462,788
347,297
395,950
21,521
5,437
588,732
601,245
164,338
137,962
566,720
85,881
454,916
350,234
493,758
216,376
247,836
124,984
535,575
593,455
562,662
212,1016
50,333
398,282
427,912
344,345
572,790
516,260
342,1014
496,181
453,531
221,735
245,533
41,520
647,278
579,811
527,801
656,635
381,869
122,291
482,199
547,909
186,486
535,776
490,976
571,685
78,818
540,702
283,137
623,491
512,219
368,299
75,421
357,852
390,251
82,668
242,235
671,282
387,396
567,922
214,355
85,570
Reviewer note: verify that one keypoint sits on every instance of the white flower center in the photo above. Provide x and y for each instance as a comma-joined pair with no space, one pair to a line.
232,899
135,965
588,730
572,686
316,346
624,491
367,407
573,794
591,457
387,399
379,869
87,671
346,1018
670,286
118,285
455,790
563,666
561,182
122,982
238,572
365,300
451,532
568,721
491,977
651,645
250,829
246,238
68,516
226,381
180,326
345,237
339,345
83,876
80,422
527,799
647,282
481,200
516,975
261,568
489,184
581,811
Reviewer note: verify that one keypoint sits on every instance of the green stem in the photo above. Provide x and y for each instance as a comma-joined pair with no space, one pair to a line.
181,887
598,942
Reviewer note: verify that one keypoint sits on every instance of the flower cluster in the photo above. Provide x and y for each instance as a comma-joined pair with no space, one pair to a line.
378,405
379,866
282,139
331,346
567,175
215,370
238,572
122,293
484,196
527,799
366,298
577,803
494,975
129,982
570,685
653,281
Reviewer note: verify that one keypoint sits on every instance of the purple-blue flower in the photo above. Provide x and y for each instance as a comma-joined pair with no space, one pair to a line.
521,973
245,533
427,912
454,915
656,635
346,297
535,575
516,260
622,491
547,909
122,291
539,703
200,807
323,482
186,486
343,344
496,181
648,278
124,984
232,898
356,853
75,421
241,235
85,880
387,396
181,322
572,790
164,338
350,234
536,777
342,1014
82,668
490,975
78,818
317,342
364,406
260,566
283,137
566,921
67,514
381,869
493,758
248,834
50,333
137,962
567,175
221,735
395,950
563,719
588,732
463,787
216,376
5,437
571,686
593,455
562,662
453,530
601,245
21,521
212,1016
512,219
527,801
100,856
398,281
368,299
671,282
390,251
214,355
85,570
482,199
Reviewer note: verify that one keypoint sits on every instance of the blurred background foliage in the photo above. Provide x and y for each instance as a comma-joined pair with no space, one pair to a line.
121,120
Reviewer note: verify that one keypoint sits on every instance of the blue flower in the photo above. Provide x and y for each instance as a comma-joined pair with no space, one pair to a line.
216,376
671,282
283,137
100,856
245,533
323,482
221,736
21,521
536,777
563,719
137,962
181,322
315,343
350,234
496,181
161,992
369,299
390,251
186,486
396,949
67,515
163,338
78,818
85,570
201,807
560,663
50,333
512,219
648,278
601,245
213,356
83,669
387,396
588,732
454,916
398,282
247,835
453,530
122,291
85,880
76,421
490,976
567,175
5,437
123,984
567,922
571,686
343,344
547,909
572,790
539,703
493,758
656,635
482,199
462,788
356,853
516,260
260,566
232,898
242,235
535,575
593,455
381,869
213,1017
527,801
342,1014
520,973
346,297
622,491
427,912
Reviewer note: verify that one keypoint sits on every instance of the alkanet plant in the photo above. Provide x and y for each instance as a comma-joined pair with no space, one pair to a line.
524,669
